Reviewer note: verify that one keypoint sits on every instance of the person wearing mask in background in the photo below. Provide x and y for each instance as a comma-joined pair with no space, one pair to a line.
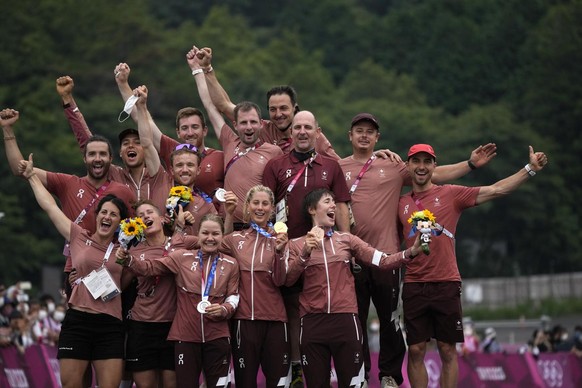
490,343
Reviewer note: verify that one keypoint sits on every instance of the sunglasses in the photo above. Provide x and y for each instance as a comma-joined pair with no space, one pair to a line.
187,147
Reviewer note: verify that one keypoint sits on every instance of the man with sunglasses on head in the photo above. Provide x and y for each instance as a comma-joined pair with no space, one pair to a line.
245,155
184,168
190,128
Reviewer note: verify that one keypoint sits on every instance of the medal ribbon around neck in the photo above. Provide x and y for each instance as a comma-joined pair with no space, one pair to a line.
260,230
206,283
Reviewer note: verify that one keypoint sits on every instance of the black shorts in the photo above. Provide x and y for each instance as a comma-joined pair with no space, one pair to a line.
433,310
147,346
87,336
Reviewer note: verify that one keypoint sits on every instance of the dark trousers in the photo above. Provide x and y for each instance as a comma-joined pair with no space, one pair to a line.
382,287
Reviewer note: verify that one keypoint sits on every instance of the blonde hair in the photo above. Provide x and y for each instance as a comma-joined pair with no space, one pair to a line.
252,191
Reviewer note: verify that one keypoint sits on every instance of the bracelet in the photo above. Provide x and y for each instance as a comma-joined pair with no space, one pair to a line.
197,71
76,109
208,69
9,137
67,105
529,170
471,165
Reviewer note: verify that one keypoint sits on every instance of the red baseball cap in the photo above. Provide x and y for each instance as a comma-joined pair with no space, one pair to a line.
418,148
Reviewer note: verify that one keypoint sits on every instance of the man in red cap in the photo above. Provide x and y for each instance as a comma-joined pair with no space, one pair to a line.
432,285
375,185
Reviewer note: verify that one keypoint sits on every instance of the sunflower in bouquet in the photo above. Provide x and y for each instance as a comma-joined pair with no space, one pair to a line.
179,195
131,232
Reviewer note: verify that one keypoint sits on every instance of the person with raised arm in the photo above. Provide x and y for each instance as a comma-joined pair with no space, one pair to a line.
92,331
431,293
378,181
190,128
245,155
327,303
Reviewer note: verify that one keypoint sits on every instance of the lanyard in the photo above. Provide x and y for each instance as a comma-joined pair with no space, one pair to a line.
296,178
361,174
98,194
240,155
260,230
206,283
107,254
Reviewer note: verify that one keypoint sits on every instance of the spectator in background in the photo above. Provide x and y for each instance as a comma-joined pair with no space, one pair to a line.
539,342
559,339
6,308
21,333
490,343
471,343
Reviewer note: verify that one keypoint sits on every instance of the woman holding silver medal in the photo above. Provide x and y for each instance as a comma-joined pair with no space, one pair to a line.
207,296
92,331
259,327
330,327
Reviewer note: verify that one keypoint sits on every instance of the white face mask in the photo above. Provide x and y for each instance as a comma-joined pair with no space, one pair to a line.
50,306
59,316
42,314
129,104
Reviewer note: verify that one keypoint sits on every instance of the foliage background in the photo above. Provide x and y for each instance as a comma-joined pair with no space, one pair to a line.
453,73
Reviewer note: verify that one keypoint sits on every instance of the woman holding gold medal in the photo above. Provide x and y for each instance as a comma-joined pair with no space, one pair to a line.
330,327
92,331
207,296
259,327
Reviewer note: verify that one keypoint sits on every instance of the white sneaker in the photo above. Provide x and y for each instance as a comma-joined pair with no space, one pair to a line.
388,382
364,384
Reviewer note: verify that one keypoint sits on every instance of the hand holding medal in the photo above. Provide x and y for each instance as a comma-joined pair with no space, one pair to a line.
282,237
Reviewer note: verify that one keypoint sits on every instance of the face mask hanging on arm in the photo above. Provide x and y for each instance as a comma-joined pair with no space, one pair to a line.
129,104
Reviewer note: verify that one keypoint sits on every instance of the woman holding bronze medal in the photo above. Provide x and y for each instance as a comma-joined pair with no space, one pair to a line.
92,331
327,304
259,328
207,296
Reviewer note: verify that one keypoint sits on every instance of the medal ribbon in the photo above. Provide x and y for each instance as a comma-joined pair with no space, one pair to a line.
260,230
206,283
204,196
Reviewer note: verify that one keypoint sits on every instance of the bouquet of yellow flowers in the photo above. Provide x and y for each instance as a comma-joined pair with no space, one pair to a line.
424,222
131,232
179,195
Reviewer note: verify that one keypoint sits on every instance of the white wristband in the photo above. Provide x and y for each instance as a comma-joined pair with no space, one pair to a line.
197,71
529,170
